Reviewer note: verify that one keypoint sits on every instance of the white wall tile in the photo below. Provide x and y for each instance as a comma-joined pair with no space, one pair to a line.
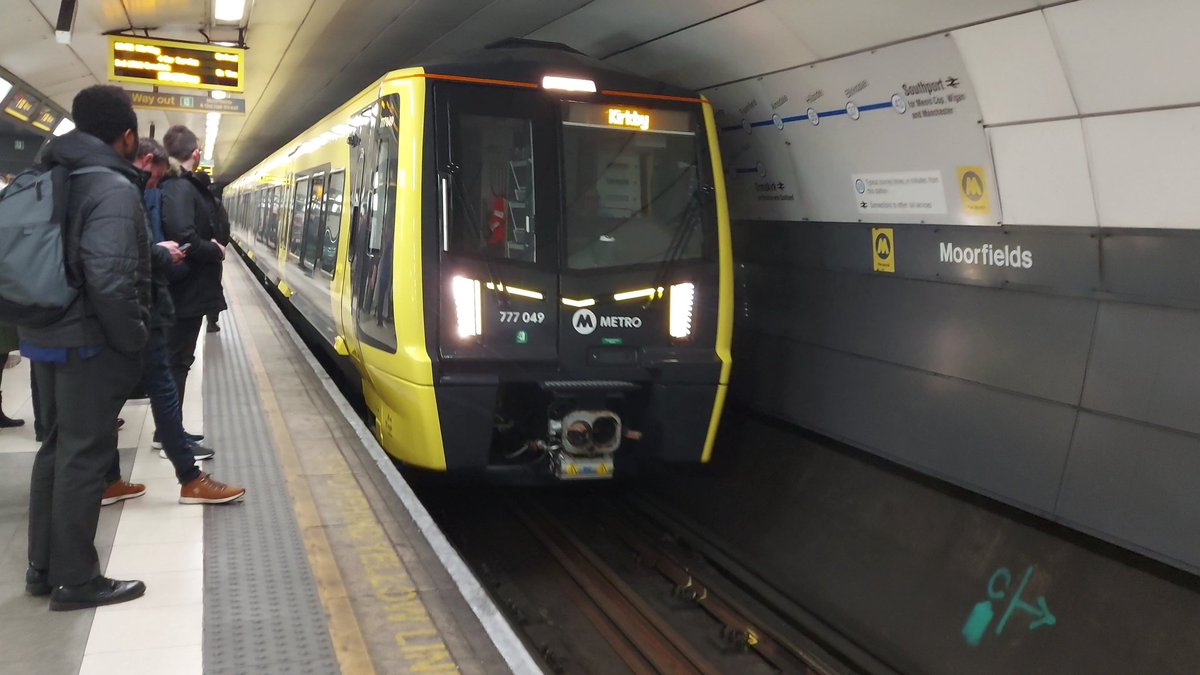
835,27
743,44
605,26
1144,167
1122,55
1042,174
1015,69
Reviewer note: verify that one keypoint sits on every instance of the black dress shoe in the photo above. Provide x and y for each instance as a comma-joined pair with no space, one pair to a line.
8,422
37,582
97,592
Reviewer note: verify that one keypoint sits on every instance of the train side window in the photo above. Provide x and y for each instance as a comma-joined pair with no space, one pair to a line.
260,212
311,246
334,196
299,204
274,207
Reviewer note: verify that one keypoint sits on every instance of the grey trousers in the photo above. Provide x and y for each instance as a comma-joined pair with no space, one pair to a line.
79,402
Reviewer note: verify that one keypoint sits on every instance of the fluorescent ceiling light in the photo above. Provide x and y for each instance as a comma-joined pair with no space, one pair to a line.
63,127
229,10
5,87
66,20
212,122
218,94
568,84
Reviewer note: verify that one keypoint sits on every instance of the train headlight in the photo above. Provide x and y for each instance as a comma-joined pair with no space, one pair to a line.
683,297
468,306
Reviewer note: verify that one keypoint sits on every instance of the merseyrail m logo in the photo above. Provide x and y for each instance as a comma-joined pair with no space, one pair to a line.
972,188
883,249
584,321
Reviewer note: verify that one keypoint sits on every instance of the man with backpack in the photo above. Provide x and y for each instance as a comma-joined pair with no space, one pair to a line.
167,261
88,356
187,219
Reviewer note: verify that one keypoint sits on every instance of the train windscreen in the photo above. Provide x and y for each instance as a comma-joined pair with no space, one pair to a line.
632,185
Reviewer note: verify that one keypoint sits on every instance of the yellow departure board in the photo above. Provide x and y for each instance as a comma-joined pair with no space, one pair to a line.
175,64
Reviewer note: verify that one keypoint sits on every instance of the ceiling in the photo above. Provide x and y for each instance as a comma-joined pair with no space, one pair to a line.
306,57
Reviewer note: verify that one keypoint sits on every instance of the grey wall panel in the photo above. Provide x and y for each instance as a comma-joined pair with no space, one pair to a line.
1146,365
976,373
1137,484
1008,446
1025,342
1158,266
1063,259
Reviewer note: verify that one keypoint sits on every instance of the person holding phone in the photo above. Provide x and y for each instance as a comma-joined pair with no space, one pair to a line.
173,442
187,219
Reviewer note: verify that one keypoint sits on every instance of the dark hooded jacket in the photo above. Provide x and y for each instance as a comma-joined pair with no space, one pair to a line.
107,251
187,219
162,313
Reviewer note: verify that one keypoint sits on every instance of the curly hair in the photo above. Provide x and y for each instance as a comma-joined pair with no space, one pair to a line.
104,111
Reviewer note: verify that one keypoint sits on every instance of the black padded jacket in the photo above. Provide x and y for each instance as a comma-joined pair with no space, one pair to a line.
187,219
107,251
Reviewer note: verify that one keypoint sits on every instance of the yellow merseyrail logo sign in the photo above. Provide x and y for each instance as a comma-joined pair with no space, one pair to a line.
628,118
972,188
175,64
883,249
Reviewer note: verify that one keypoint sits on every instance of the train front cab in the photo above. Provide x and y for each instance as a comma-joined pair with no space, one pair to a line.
577,291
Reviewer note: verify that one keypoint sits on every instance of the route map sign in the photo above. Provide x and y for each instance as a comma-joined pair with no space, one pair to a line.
166,63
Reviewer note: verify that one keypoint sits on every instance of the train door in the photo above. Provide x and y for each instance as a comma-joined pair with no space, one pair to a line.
368,309
498,210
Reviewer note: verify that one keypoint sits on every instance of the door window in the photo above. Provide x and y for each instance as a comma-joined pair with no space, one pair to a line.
373,198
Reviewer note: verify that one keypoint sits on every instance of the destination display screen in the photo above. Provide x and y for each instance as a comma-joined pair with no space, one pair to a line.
21,105
627,118
175,64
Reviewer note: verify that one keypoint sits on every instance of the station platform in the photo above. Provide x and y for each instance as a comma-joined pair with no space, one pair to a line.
329,565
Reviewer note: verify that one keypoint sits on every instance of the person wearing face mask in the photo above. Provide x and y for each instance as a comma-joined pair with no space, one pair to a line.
87,361
187,219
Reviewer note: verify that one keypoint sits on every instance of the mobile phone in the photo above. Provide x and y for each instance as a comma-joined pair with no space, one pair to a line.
184,248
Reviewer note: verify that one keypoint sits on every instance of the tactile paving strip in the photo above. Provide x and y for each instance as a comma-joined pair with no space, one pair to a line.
261,610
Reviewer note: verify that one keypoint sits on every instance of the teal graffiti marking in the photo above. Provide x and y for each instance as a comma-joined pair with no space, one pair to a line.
982,613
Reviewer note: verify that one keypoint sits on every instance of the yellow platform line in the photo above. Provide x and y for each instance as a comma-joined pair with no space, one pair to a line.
344,631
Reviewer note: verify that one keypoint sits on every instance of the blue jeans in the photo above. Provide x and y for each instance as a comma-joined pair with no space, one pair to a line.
165,404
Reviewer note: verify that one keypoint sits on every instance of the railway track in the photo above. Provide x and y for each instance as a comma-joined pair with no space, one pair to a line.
644,634
594,588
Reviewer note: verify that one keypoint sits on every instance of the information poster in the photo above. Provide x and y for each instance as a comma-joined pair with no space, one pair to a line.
889,136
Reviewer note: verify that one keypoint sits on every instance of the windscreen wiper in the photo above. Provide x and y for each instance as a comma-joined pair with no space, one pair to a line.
473,218
693,214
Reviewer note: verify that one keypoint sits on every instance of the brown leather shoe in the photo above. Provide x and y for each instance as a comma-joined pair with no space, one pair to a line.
204,490
120,491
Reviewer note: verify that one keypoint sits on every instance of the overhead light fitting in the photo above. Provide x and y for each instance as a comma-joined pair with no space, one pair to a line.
64,126
218,94
5,87
212,122
229,10
568,84
66,20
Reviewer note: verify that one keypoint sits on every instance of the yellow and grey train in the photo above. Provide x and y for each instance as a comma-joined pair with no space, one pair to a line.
523,251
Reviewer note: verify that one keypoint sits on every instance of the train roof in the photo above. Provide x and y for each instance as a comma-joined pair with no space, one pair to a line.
524,60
